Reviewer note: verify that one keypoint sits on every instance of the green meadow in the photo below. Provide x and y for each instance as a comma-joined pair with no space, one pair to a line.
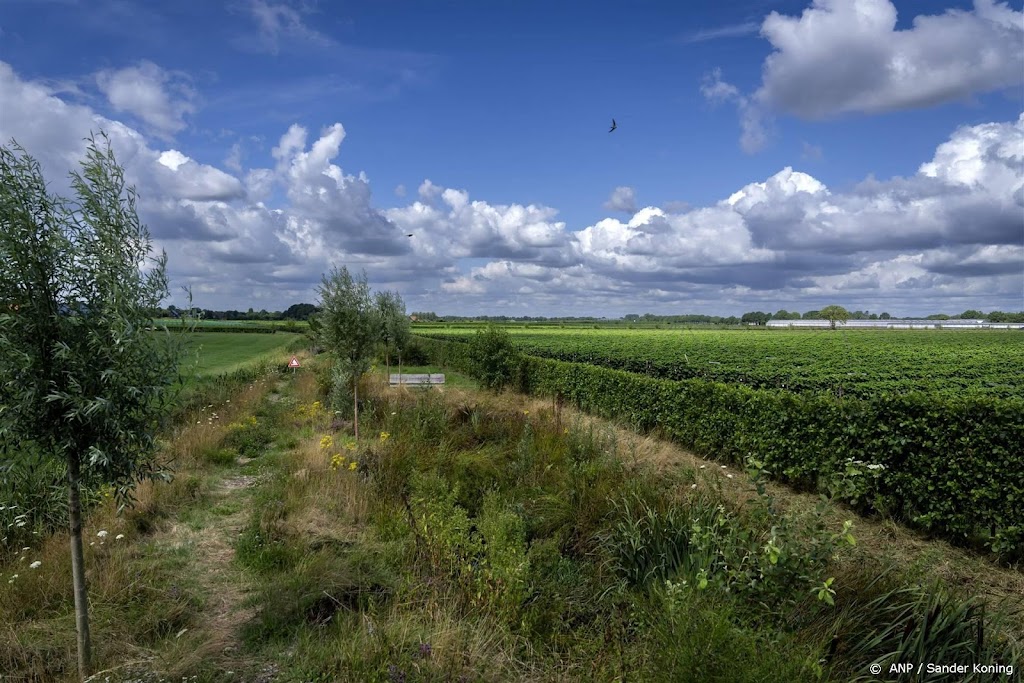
217,353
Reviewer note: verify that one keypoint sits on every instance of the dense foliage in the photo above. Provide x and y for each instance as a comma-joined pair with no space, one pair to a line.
862,363
950,465
494,358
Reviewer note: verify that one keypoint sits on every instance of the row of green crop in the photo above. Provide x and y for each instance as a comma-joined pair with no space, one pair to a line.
952,466
846,363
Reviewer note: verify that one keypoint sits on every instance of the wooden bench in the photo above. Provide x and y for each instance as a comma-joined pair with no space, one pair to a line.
417,380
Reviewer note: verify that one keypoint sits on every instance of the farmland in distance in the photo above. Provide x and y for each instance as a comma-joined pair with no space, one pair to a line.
860,363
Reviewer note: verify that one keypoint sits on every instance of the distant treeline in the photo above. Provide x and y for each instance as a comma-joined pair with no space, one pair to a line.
752,317
304,311
293,312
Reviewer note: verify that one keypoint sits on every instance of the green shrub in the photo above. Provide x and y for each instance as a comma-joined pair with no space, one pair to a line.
504,566
249,438
220,456
495,360
444,526
415,353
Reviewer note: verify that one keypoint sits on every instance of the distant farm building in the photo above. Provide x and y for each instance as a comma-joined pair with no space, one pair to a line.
893,324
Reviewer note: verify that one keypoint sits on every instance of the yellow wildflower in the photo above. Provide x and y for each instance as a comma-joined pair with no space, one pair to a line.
326,442
384,436
350,446
352,465
526,412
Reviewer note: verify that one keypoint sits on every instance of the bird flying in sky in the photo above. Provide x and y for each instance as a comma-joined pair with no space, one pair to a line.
613,126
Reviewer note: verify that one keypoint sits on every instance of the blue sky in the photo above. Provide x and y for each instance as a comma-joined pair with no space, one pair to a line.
482,128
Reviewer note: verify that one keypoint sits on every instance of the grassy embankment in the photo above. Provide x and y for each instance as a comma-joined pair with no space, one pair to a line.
473,537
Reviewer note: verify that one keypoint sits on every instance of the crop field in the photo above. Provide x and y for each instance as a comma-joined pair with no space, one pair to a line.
222,352
851,362
946,459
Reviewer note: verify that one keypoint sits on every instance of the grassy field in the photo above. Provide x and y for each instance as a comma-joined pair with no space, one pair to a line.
223,352
853,362
474,537
174,322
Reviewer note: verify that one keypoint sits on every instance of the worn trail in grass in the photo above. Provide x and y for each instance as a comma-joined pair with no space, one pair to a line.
229,466
210,532
209,535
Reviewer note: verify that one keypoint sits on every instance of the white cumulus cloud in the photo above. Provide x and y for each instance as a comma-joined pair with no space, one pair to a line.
159,98
622,199
847,56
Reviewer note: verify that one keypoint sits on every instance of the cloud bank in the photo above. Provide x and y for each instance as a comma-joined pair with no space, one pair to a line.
948,237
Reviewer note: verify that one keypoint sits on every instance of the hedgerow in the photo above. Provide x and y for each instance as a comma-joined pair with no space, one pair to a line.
948,465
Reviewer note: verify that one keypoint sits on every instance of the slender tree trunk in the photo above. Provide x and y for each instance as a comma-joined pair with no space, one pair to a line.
355,404
399,368
78,569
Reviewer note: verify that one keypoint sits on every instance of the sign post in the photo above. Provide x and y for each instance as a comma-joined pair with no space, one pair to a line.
294,363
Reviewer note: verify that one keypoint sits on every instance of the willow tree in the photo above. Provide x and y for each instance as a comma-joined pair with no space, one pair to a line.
84,381
349,328
394,326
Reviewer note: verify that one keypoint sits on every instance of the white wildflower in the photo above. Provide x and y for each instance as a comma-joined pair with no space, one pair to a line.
35,565
102,533
118,537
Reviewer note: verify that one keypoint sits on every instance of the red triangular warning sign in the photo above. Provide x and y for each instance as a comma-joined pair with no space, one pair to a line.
294,363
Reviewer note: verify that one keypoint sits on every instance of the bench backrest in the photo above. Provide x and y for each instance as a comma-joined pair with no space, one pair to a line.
416,380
